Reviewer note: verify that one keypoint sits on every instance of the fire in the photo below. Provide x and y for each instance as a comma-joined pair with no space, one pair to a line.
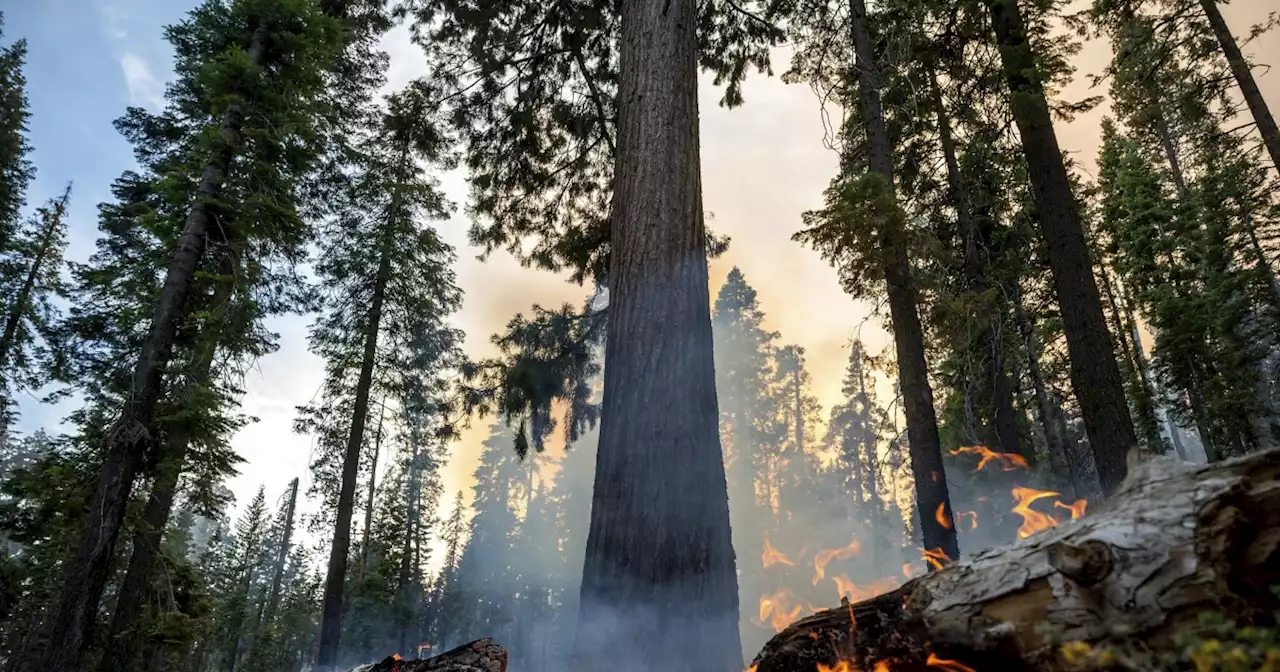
823,557
937,558
779,610
881,666
1032,521
752,668
1076,509
945,664
841,666
396,657
773,557
971,515
941,516
855,593
1010,461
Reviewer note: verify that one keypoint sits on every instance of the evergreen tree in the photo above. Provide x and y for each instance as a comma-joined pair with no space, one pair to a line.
16,170
232,59
28,347
389,288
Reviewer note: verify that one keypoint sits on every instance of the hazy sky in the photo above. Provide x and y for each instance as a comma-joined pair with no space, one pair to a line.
763,165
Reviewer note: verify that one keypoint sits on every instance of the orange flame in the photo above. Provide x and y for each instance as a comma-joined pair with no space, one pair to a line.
1010,461
971,515
937,558
396,657
856,593
752,668
779,610
941,516
1032,521
881,666
772,557
841,666
823,557
945,664
1076,509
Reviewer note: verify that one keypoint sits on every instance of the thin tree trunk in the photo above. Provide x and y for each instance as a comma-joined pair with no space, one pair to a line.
908,334
19,306
976,267
277,572
1095,376
373,484
411,522
659,558
132,436
1244,79
331,611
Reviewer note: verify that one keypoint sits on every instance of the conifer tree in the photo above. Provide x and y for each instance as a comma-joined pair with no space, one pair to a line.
31,276
232,59
16,170
1095,374
389,288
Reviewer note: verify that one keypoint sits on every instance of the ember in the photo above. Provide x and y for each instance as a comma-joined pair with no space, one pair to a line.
952,665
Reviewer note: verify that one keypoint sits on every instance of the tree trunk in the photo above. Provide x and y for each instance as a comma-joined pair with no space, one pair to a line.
412,521
659,559
1244,79
481,655
908,334
373,485
1079,472
131,438
19,306
277,572
1095,375
331,611
976,266
1173,542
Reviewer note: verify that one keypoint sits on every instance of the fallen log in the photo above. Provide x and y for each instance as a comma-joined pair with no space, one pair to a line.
1174,542
481,655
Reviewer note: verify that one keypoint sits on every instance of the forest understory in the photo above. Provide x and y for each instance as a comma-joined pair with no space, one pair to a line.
1054,442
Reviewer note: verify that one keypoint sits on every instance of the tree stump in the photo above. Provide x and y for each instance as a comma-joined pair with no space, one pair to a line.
481,655
1176,540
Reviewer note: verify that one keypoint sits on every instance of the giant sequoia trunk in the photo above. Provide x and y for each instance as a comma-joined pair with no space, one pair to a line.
1174,541
659,561
1244,79
1095,376
925,448
132,436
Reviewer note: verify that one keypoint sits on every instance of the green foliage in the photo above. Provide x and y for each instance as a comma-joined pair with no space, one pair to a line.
16,170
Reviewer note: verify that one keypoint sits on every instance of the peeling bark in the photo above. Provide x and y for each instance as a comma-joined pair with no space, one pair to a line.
1174,541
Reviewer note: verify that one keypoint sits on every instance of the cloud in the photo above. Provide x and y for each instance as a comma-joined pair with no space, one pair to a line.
144,88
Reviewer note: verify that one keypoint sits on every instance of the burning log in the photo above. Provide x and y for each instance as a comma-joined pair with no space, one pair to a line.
481,655
1175,541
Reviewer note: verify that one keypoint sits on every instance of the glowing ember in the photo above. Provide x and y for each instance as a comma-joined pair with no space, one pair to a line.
779,610
1076,509
841,666
1032,521
941,516
937,558
823,557
945,664
971,515
881,666
772,557
1009,461
752,668
396,657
